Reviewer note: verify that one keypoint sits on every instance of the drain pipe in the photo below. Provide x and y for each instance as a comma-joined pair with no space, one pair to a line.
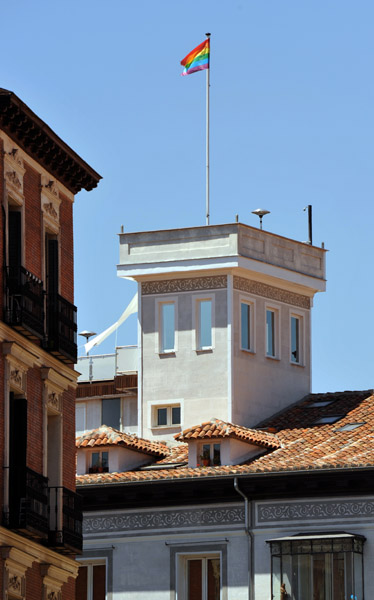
249,537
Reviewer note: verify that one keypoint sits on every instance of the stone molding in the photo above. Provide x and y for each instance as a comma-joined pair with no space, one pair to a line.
173,519
273,293
170,286
315,511
16,564
14,171
50,203
53,579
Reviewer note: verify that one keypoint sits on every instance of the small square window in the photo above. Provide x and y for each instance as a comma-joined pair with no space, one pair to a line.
166,416
210,455
99,462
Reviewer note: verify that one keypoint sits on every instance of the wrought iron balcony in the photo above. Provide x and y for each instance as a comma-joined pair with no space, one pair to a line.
24,308
61,328
28,503
65,520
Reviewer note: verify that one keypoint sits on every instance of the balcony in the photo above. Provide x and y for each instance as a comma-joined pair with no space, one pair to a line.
61,328
65,521
24,308
28,503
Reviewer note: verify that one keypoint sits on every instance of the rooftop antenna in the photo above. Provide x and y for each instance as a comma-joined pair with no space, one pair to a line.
260,212
87,335
309,209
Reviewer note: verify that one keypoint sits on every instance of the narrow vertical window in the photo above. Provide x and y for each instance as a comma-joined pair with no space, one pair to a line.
167,327
246,326
111,412
203,579
295,339
204,324
270,333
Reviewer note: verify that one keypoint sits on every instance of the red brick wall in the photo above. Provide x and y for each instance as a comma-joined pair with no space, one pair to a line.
33,222
68,589
2,223
34,583
69,451
34,420
66,249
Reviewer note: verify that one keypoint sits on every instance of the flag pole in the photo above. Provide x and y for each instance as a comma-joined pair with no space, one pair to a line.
207,137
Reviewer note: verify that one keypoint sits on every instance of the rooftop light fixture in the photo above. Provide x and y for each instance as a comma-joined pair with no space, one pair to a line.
260,212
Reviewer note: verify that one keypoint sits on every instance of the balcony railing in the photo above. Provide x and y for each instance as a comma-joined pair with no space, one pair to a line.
65,520
62,328
28,503
24,309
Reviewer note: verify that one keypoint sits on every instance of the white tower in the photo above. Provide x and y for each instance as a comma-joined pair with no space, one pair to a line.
224,323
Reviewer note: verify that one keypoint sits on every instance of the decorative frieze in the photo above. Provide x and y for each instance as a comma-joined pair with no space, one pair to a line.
315,511
268,291
173,519
170,286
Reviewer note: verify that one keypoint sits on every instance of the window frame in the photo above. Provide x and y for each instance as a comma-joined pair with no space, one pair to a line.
202,453
300,317
276,310
168,405
160,303
251,303
91,469
321,545
196,326
89,563
180,552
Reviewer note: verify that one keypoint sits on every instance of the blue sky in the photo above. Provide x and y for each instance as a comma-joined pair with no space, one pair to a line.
292,96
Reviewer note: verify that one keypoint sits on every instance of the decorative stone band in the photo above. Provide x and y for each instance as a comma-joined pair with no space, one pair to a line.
315,511
170,286
268,291
173,519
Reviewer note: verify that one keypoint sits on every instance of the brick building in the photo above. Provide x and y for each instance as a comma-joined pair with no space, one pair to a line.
40,531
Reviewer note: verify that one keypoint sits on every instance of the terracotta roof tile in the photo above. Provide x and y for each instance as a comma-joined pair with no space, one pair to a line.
107,436
304,444
221,429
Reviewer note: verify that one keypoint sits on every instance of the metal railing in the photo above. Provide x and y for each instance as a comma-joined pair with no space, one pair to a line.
65,520
24,308
62,327
28,502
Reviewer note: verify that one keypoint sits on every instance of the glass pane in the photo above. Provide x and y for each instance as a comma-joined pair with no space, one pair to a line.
168,325
81,584
162,416
321,576
175,415
205,323
295,345
194,580
214,579
270,342
303,574
276,577
359,588
95,459
216,454
245,326
111,412
104,460
98,582
348,567
287,576
338,587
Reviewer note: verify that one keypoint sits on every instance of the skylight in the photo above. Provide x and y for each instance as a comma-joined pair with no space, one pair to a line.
329,419
350,426
319,403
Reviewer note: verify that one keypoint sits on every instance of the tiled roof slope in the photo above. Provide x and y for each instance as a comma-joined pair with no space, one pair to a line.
305,444
215,429
107,436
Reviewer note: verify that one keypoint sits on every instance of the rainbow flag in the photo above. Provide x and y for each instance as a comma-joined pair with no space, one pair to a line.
197,59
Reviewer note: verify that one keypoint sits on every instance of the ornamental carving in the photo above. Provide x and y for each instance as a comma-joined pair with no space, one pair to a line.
16,377
50,209
13,178
315,511
268,291
53,596
176,519
54,401
184,285
15,584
